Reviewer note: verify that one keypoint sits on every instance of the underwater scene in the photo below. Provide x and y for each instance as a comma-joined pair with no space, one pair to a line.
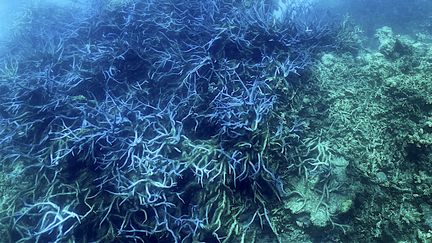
216,121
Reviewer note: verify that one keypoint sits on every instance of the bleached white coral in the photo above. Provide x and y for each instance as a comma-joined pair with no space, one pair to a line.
290,8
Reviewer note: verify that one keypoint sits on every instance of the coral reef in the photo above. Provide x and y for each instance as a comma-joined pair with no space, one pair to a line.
156,120
213,121
378,117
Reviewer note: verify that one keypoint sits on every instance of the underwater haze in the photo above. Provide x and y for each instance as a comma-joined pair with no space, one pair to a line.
216,121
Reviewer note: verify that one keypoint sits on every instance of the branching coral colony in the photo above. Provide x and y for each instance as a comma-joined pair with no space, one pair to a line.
154,120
